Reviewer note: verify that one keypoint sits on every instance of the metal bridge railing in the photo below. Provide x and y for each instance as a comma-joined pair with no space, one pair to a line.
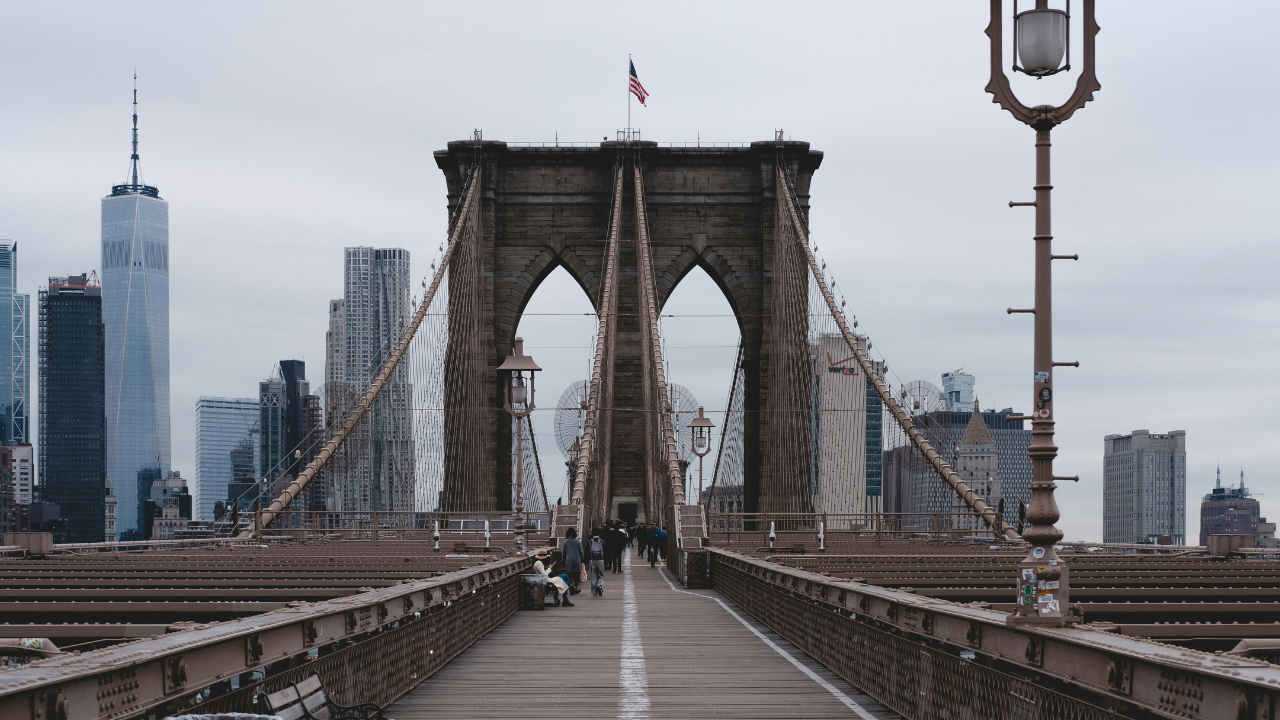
816,530
370,647
445,527
930,659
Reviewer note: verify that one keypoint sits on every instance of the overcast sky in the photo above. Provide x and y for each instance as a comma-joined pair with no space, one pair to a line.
281,133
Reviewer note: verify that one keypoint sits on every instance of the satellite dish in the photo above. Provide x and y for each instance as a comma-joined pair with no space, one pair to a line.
684,408
570,414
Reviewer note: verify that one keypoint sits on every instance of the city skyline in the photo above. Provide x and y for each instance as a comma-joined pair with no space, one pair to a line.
269,181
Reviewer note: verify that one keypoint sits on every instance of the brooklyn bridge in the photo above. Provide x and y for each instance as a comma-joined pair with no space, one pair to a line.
780,590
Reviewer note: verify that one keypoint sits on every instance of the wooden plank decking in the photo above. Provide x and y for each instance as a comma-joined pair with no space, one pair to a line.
649,651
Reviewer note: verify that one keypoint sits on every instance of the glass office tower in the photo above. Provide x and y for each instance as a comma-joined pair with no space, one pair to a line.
222,424
73,448
135,311
15,353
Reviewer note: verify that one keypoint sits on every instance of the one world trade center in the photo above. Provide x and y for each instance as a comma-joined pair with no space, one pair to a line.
135,312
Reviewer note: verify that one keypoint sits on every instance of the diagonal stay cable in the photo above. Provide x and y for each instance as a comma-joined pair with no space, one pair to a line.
940,466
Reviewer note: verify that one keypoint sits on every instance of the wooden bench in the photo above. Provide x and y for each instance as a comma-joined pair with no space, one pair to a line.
308,700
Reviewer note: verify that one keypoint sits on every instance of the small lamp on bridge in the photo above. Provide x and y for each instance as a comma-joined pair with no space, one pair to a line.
1041,39
520,390
700,430
518,393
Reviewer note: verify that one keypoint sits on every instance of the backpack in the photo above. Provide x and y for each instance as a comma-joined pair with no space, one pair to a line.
597,549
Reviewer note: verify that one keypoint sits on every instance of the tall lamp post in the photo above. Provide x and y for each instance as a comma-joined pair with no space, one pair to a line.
518,399
700,432
1041,40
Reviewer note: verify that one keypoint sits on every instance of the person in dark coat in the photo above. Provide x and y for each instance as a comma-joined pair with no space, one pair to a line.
615,543
571,554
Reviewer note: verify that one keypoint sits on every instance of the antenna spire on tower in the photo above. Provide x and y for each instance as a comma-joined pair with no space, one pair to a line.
133,180
133,160
1219,475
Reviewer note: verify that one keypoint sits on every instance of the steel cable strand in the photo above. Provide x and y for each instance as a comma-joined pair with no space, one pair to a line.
608,290
786,487
651,318
985,512
402,346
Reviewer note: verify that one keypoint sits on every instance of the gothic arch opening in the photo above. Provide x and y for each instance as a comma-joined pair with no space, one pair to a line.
701,333
558,325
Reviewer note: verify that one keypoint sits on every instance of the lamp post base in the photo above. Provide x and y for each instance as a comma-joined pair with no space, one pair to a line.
1043,588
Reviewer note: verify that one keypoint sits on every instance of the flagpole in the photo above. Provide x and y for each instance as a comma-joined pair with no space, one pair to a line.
628,93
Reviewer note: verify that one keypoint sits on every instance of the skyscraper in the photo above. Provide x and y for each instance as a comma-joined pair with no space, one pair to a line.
135,310
846,432
8,499
15,351
221,425
296,390
286,418
978,465
335,343
73,441
1144,487
271,426
958,387
1229,511
24,479
377,469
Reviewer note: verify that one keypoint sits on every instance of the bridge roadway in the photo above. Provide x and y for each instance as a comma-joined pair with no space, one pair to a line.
646,649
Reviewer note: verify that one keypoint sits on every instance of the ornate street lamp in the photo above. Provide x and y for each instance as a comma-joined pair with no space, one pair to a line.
517,396
700,433
1040,45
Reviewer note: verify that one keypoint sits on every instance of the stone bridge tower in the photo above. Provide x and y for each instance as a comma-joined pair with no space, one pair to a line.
713,208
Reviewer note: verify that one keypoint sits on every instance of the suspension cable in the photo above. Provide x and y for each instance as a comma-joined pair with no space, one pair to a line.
605,313
304,479
988,515
650,308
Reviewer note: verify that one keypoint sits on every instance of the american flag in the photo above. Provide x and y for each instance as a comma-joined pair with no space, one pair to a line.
636,88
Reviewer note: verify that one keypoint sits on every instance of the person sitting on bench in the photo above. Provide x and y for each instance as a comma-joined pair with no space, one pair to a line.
561,582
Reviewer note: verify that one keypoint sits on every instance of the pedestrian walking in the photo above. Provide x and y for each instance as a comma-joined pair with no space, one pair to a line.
662,543
652,540
571,554
596,571
614,546
641,532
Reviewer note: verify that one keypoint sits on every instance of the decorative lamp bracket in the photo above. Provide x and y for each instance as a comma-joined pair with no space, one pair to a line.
1041,117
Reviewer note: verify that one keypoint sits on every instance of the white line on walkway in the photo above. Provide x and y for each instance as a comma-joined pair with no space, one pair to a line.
848,701
634,703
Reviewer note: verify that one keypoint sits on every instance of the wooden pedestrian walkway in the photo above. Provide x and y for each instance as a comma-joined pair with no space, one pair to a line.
647,649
